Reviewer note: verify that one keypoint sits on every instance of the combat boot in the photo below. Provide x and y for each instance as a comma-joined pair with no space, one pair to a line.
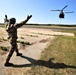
19,54
8,64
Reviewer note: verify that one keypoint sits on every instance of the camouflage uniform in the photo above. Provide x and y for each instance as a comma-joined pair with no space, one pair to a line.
12,35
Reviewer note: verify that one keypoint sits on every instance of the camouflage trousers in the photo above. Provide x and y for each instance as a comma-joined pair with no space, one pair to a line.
14,47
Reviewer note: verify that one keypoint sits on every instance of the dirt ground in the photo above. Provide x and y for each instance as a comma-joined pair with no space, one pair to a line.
38,39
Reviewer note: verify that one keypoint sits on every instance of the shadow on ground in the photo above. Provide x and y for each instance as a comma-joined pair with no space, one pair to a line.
49,63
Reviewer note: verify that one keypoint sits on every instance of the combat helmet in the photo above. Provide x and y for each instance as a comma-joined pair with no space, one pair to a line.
12,20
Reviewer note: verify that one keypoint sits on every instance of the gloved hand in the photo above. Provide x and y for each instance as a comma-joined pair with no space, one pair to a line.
5,16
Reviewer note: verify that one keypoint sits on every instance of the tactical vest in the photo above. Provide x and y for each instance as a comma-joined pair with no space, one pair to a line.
12,31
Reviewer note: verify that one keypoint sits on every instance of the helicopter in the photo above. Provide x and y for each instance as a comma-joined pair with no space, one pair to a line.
61,15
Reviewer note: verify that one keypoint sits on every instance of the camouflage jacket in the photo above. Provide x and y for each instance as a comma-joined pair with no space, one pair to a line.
12,29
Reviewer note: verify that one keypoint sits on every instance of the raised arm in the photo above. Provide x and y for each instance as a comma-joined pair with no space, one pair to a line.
23,22
6,21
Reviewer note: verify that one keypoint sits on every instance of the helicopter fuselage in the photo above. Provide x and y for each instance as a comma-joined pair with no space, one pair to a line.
61,15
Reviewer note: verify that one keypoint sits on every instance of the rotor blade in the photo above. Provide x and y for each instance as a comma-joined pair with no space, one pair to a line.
64,7
69,12
54,10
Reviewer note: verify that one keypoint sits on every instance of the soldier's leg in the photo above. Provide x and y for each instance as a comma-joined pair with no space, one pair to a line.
17,51
9,56
12,42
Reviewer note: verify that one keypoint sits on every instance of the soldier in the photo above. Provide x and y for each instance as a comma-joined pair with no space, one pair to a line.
11,29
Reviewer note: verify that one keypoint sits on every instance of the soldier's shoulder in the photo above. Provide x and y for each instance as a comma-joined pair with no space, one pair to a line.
15,24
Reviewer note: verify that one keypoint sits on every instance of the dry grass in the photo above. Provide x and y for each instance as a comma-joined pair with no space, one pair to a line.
59,58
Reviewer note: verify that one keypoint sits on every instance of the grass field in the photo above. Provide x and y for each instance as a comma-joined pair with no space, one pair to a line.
70,31
59,58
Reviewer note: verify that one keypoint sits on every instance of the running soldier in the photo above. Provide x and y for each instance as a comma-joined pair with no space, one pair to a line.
11,28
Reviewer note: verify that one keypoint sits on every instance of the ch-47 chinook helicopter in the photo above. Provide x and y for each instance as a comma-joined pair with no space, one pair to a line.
61,15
